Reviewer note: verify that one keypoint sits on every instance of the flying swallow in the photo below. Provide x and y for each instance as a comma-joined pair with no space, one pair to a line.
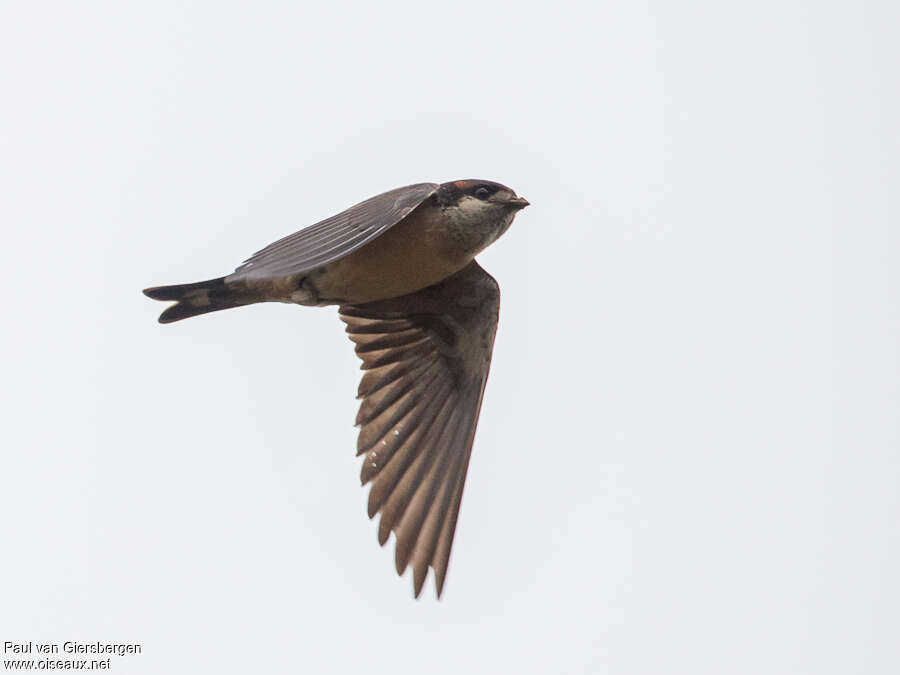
423,314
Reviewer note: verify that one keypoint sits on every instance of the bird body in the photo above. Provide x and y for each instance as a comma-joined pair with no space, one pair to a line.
423,315
424,248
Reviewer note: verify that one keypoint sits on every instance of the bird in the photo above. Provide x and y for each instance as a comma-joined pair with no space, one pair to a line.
422,314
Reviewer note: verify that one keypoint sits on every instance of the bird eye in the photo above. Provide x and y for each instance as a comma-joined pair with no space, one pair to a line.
482,192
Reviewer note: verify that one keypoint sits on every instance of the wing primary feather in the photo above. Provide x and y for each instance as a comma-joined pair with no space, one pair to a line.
383,485
312,238
445,539
377,428
441,558
417,487
374,405
380,455
408,477
432,526
377,326
330,224
362,313
424,485
387,444
372,343
375,379
320,254
406,353
379,402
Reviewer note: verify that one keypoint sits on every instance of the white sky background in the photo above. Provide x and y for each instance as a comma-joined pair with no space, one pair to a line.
689,453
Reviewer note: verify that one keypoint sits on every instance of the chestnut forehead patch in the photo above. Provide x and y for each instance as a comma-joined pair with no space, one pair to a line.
469,185
451,193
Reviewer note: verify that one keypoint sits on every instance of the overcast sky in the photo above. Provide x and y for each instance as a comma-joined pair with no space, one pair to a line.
688,459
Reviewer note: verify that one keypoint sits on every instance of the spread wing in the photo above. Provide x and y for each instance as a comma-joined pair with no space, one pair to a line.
334,237
426,357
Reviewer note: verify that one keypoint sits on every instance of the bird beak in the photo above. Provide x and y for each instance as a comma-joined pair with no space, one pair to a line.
517,203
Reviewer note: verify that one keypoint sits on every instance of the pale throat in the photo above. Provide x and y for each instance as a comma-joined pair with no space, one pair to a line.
472,225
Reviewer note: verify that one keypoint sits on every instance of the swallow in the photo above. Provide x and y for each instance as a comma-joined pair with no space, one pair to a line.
422,313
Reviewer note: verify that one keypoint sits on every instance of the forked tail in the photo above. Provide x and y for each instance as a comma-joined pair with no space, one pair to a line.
197,298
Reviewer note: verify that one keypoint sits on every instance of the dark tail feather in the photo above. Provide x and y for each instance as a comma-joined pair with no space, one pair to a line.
194,299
